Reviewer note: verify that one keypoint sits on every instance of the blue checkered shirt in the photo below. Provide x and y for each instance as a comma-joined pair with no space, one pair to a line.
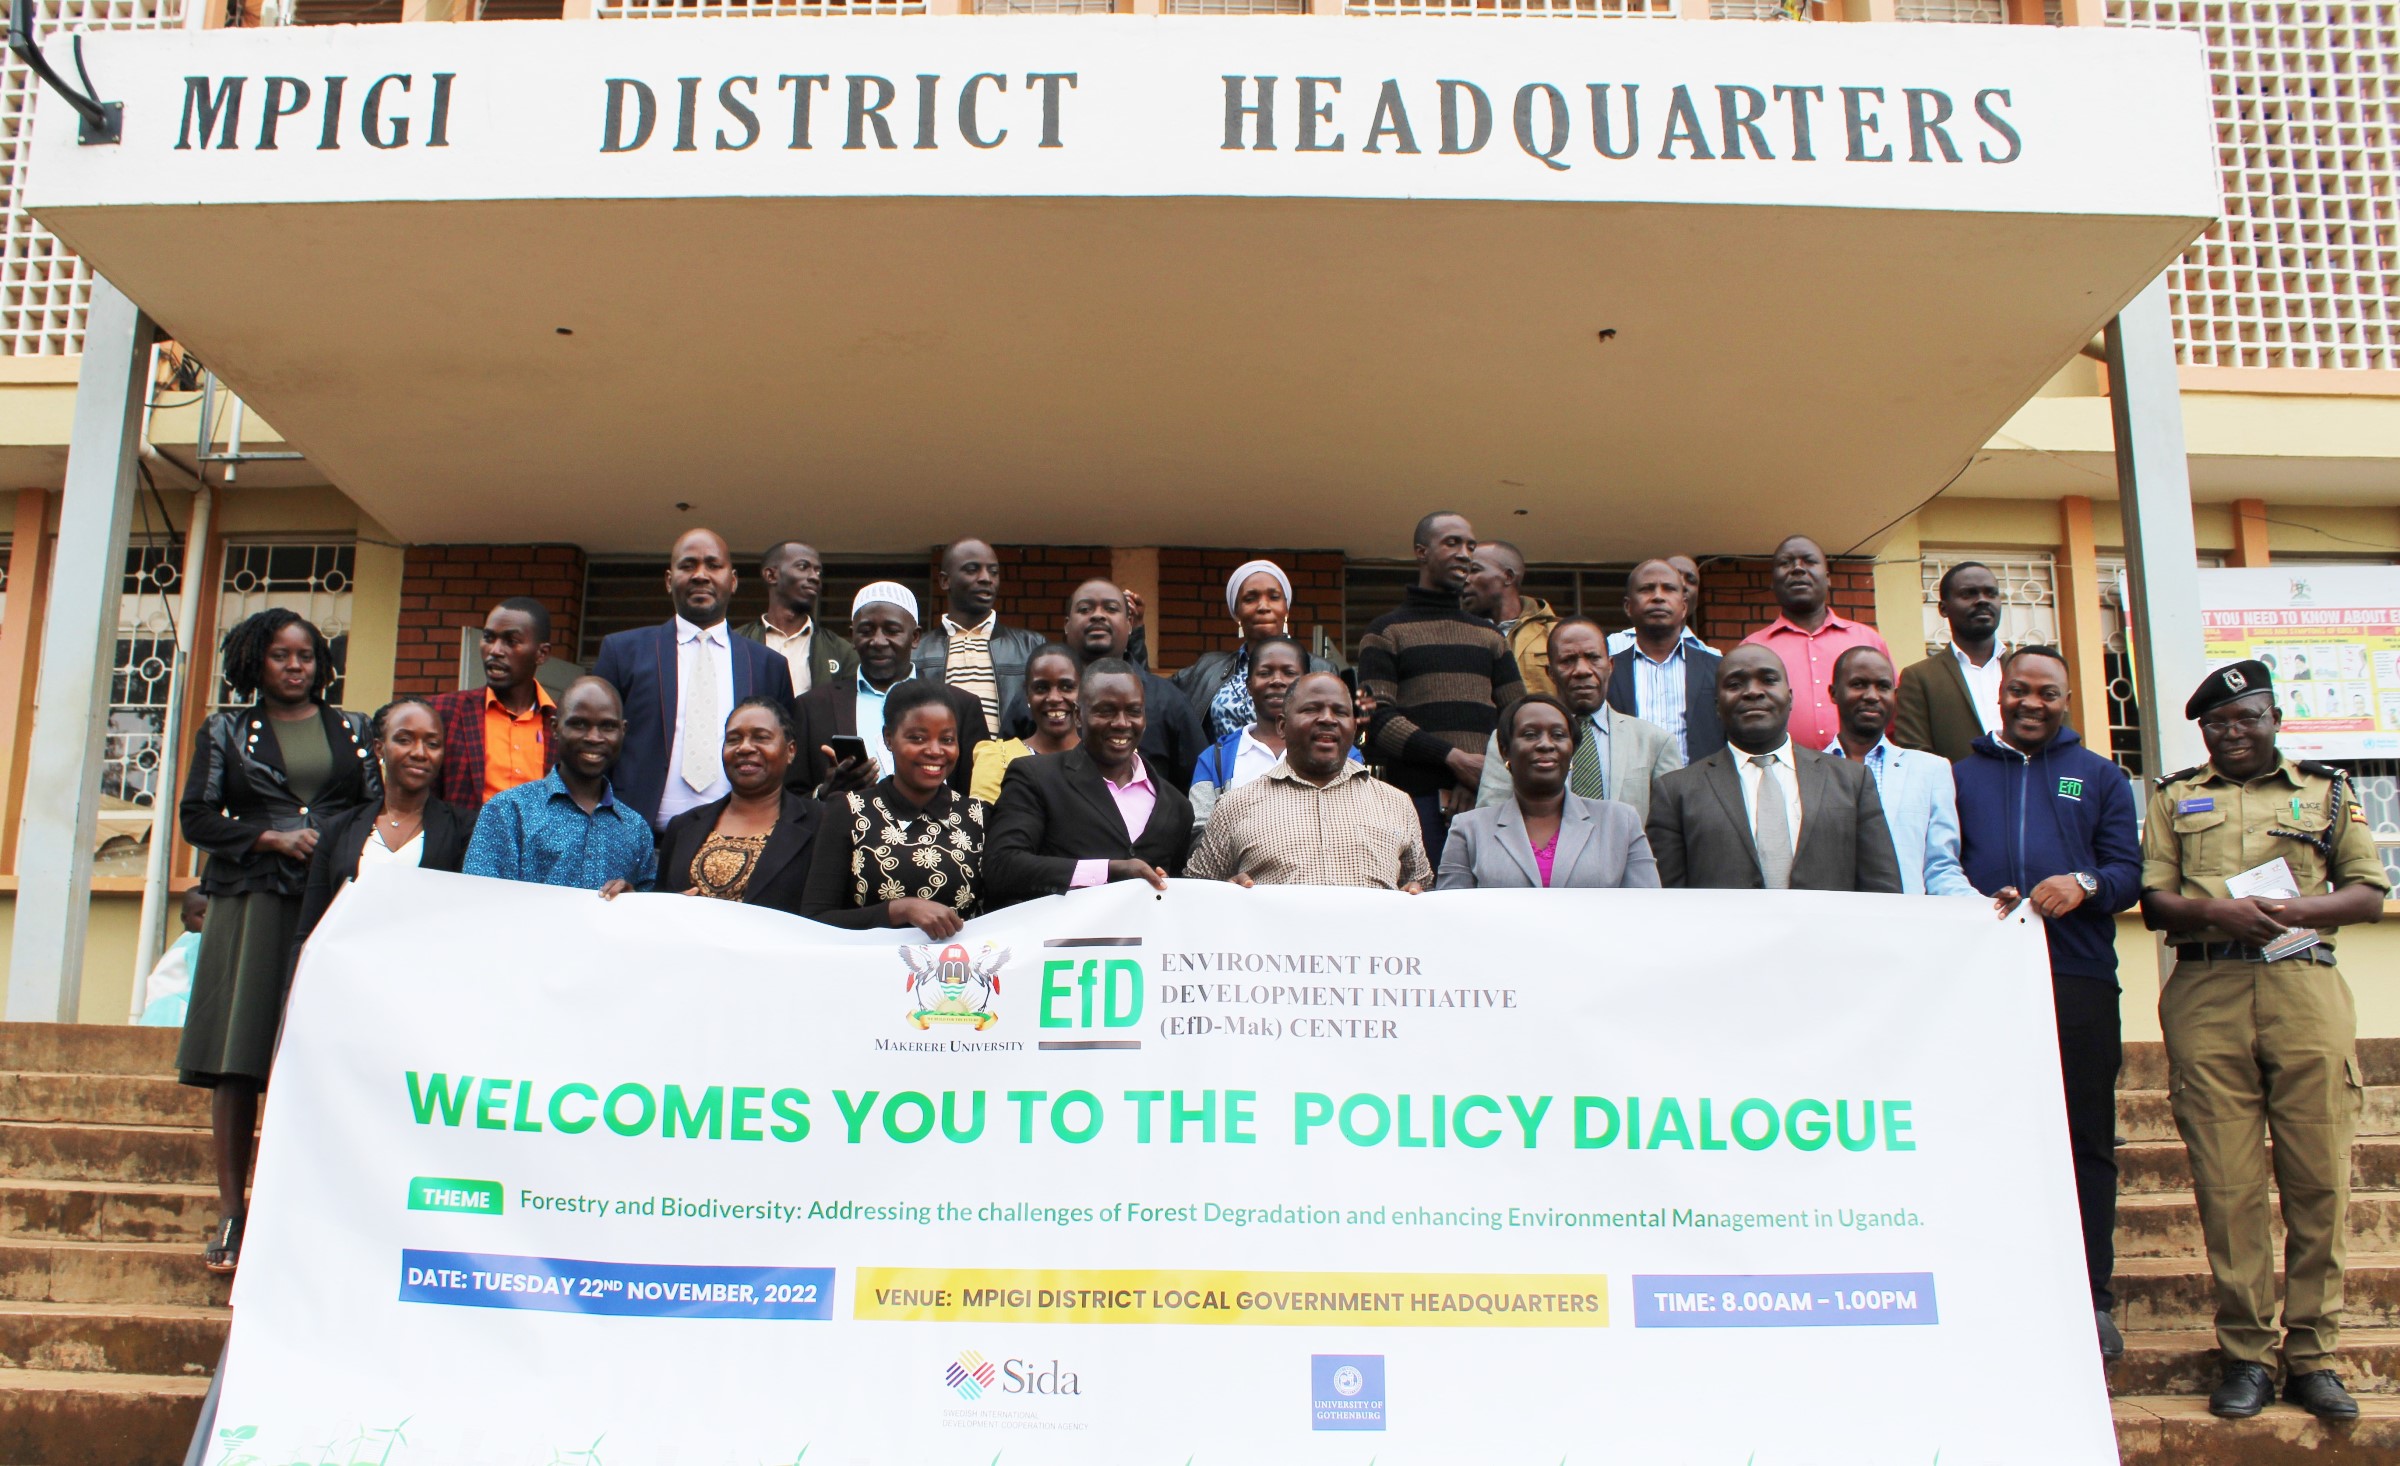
537,832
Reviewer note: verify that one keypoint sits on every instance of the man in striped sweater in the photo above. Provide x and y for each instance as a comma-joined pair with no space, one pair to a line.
1439,677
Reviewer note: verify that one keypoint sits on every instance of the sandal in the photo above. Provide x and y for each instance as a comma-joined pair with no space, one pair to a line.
224,1252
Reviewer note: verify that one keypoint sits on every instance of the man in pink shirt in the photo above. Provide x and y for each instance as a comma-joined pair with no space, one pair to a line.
1092,814
1810,638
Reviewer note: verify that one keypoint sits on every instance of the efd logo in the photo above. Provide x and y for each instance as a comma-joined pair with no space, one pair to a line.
1346,1392
1091,992
970,1374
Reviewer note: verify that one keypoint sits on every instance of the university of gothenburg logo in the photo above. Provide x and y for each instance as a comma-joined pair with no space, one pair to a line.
952,987
970,1374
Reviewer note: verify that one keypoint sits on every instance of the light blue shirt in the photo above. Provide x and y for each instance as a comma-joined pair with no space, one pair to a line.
1658,693
1620,642
1920,808
537,832
870,722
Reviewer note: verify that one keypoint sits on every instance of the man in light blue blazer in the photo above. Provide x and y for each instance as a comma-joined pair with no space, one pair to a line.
1920,804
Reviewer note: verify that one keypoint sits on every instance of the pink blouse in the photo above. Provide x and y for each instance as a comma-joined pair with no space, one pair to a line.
1542,856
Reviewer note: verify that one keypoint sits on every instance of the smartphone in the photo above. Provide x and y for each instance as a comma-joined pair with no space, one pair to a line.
847,746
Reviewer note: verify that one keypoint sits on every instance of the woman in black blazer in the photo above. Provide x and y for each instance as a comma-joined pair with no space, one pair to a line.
752,846
264,782
407,827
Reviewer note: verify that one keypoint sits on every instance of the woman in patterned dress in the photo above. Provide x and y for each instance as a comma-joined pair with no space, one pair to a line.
909,851
752,846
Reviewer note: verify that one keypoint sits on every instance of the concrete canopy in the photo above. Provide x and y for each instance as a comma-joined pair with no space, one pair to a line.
1148,350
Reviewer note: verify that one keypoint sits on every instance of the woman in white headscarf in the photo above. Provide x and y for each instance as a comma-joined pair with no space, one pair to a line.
1258,596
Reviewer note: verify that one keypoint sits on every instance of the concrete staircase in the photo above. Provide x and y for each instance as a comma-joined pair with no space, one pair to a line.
109,1327
2166,1308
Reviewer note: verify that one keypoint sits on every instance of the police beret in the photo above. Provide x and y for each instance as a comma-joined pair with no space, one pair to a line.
2239,679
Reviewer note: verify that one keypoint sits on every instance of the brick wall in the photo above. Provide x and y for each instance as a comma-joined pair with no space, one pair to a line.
1035,581
1191,618
1737,597
445,587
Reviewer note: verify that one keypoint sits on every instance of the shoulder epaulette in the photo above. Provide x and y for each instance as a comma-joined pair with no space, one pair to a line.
2179,777
2320,769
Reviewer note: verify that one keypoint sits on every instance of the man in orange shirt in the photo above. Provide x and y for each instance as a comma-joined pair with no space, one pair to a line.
501,734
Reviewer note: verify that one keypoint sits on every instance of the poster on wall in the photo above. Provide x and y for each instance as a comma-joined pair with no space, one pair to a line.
2331,635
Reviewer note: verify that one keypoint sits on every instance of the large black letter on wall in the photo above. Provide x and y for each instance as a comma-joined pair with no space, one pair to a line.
197,102
1263,110
613,138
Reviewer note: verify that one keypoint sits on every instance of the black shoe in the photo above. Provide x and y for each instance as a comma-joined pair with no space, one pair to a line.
2243,1391
2320,1393
2112,1343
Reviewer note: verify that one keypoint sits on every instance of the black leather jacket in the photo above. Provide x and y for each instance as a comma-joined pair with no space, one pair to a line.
236,791
1012,648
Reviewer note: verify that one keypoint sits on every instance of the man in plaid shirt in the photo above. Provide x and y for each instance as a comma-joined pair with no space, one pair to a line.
503,733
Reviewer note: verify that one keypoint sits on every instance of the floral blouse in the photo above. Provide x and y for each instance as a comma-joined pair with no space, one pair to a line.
885,849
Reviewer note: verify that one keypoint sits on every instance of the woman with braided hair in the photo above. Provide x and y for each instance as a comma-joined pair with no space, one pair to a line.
264,781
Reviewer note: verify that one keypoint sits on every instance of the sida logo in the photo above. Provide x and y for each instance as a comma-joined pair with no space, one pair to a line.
952,987
970,1374
1088,992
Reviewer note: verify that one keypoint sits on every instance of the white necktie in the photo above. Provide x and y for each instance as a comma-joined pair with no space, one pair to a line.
703,725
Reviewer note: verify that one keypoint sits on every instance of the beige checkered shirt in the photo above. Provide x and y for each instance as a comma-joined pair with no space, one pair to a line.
1281,830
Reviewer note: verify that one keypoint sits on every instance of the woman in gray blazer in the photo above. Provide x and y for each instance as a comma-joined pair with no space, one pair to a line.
1544,836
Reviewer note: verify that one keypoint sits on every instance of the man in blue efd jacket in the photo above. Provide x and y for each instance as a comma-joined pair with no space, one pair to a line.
2044,819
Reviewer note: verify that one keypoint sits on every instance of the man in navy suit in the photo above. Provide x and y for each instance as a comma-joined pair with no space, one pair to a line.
1667,677
679,680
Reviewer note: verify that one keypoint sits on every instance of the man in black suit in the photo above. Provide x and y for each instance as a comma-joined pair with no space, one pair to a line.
1091,815
1764,812
1667,678
883,627
1100,624
680,679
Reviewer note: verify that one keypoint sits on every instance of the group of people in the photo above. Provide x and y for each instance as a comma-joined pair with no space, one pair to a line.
917,775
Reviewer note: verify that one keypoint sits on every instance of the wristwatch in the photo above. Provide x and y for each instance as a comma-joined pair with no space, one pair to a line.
2089,882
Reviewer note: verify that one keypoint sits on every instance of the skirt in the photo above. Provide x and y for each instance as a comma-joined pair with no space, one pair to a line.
238,989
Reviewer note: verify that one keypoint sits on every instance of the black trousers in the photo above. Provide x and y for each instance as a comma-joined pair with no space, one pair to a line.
2091,1049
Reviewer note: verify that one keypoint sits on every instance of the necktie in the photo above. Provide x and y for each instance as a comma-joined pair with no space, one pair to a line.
1773,833
1584,774
703,725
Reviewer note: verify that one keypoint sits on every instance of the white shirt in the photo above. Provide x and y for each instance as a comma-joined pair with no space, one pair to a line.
1983,687
1251,758
718,641
375,852
793,648
1658,693
1786,774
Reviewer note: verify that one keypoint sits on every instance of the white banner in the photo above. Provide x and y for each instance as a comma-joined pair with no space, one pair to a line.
1220,1176
2331,636
2023,119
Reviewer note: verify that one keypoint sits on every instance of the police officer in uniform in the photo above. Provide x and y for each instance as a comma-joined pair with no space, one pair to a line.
2258,1046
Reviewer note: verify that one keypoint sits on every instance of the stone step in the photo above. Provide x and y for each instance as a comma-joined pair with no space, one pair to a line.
2177,1430
87,1048
108,1211
57,1152
2172,1293
103,1099
2167,1224
61,1418
2146,1063
112,1338
2144,1114
41,1271
2184,1362
2161,1165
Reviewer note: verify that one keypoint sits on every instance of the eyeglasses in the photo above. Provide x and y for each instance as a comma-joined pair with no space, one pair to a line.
2244,722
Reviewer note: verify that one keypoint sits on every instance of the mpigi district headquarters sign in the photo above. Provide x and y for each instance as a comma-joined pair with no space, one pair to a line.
1896,117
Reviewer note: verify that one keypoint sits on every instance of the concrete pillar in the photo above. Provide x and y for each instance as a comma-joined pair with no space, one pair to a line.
62,787
2162,558
2080,632
2250,548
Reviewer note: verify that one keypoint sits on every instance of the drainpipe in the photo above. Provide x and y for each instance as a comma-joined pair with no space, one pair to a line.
150,939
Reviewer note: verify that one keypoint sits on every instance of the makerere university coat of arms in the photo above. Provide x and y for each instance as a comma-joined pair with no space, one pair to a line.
952,987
